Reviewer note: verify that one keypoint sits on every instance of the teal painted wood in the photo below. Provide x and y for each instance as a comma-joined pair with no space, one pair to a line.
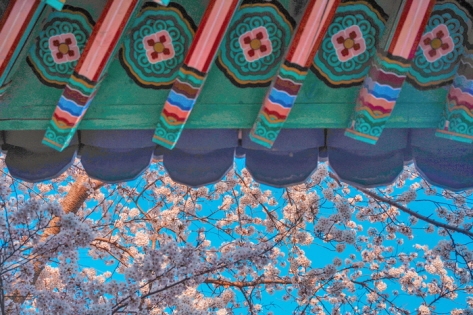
234,115
122,104
457,121
72,23
92,66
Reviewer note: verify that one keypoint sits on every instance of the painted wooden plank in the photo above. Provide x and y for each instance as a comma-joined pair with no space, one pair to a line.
192,74
457,120
15,27
382,87
286,86
143,116
83,84
56,4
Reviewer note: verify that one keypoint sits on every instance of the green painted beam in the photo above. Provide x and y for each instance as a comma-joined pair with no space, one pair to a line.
121,104
327,115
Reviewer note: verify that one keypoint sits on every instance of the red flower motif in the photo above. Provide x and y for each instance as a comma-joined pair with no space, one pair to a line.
64,48
349,43
158,47
256,44
437,43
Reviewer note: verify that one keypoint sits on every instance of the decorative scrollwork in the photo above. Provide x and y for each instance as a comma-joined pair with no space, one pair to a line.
441,47
157,45
56,50
345,54
255,43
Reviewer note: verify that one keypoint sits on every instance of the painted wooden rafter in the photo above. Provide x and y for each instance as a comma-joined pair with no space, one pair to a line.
16,26
457,121
293,71
189,82
382,86
83,84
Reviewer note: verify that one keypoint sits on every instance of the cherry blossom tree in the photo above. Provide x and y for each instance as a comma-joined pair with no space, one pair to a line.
158,247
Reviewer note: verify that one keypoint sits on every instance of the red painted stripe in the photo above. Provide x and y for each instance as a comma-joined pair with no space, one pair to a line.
93,36
175,116
287,86
66,118
199,33
279,116
116,38
221,33
21,32
304,22
302,25
95,33
386,78
322,33
400,25
374,108
7,13
421,29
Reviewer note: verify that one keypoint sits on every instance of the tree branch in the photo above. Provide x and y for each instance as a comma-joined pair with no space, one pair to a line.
242,284
74,199
123,248
413,213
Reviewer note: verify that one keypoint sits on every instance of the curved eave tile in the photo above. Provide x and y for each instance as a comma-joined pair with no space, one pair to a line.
442,162
38,166
366,165
281,169
366,171
27,159
117,139
198,168
115,165
291,160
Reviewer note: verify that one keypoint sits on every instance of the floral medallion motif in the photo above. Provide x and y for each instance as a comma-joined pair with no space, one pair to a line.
55,52
255,43
345,54
64,48
437,43
441,47
157,45
349,43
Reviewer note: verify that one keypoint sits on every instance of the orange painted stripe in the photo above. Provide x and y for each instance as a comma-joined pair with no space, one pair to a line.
274,107
366,97
60,114
362,135
459,96
168,107
454,133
